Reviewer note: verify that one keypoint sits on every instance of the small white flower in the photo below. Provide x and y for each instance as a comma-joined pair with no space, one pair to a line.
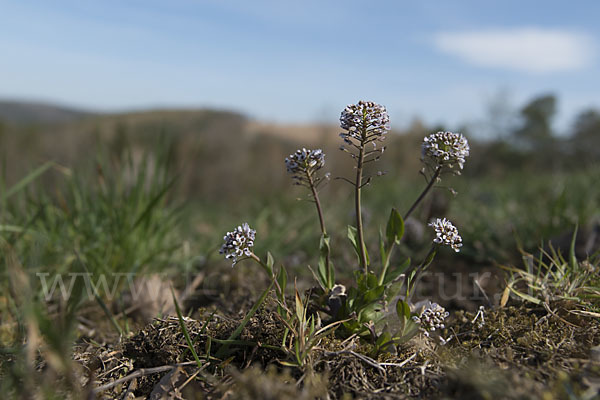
445,149
446,234
432,317
238,243
304,162
365,122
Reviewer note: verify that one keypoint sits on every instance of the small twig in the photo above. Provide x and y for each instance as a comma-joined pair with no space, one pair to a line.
121,364
483,291
362,357
547,307
400,365
139,373
424,367
585,313
350,338
129,389
194,375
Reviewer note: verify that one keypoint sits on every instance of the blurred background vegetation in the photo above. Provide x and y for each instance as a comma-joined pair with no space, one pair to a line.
524,179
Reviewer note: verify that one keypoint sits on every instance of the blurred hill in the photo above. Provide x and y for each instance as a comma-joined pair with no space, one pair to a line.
221,155
22,112
217,154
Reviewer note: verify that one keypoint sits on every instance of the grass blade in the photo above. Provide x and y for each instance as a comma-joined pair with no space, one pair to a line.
185,331
245,321
33,175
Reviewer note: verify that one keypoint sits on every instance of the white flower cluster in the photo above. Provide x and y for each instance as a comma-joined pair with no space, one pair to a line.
304,161
238,243
365,121
445,148
431,318
446,234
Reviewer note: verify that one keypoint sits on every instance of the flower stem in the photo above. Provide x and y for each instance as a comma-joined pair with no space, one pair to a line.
268,270
321,223
359,224
270,274
416,275
386,263
436,174
317,202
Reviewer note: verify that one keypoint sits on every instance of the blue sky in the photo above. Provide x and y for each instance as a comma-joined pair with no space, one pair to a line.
291,61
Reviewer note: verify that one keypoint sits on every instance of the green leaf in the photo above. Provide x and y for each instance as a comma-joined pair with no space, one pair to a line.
282,281
408,331
372,281
394,289
371,312
411,276
351,299
403,309
572,258
325,271
331,275
374,294
367,282
270,260
395,227
526,296
352,235
396,272
269,264
299,308
403,312
384,338
382,251
429,259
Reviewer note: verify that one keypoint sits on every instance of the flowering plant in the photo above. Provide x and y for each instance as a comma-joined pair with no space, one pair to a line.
363,309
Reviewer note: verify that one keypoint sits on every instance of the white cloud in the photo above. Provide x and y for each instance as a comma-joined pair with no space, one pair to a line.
525,49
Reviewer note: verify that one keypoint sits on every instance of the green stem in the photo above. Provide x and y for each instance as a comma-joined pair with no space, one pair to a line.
268,270
386,262
436,174
388,257
321,222
418,272
317,202
359,224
